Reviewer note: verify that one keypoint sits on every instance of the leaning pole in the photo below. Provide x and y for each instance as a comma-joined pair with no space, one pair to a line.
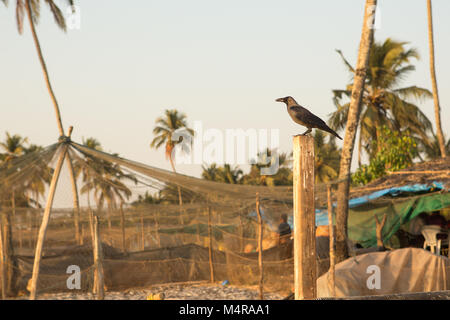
45,220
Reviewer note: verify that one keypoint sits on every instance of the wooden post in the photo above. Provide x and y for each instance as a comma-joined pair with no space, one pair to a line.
211,267
260,249
122,222
76,205
379,231
44,224
241,226
142,232
19,228
2,263
8,251
98,261
156,216
304,218
331,271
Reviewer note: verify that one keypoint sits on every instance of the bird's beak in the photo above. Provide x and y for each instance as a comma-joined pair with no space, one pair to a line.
280,100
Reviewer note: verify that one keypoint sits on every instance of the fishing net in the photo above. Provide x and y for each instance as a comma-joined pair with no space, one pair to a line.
211,236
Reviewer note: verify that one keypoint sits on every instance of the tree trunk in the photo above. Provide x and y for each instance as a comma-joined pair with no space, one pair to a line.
437,111
44,224
350,130
44,68
332,270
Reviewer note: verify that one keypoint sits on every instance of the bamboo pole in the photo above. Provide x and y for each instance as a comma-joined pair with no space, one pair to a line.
260,249
76,202
331,272
2,263
98,261
157,229
379,231
142,232
304,218
44,224
211,266
122,222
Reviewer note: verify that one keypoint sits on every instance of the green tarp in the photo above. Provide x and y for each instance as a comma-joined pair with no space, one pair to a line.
361,221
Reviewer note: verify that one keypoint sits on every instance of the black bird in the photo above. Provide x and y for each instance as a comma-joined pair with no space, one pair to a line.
304,117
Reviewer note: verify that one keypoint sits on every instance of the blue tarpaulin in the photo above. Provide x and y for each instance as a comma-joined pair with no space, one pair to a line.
322,215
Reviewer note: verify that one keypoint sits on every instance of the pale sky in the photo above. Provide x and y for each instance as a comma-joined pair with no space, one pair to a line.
221,62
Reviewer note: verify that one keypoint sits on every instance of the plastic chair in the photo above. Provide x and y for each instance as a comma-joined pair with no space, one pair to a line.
430,235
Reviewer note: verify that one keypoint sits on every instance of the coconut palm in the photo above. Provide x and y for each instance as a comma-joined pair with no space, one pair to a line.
225,174
165,132
39,177
210,172
383,101
103,178
13,147
437,112
434,151
327,156
351,128
31,8
283,176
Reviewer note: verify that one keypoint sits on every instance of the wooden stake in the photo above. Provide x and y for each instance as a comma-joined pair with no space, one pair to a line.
98,261
260,249
211,267
241,226
157,229
379,231
2,263
76,203
331,271
304,218
142,232
44,224
122,222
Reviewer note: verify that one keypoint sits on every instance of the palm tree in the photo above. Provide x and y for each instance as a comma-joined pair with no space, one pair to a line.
383,102
437,112
351,128
39,177
104,179
13,147
32,10
327,157
225,174
282,177
434,151
165,130
210,172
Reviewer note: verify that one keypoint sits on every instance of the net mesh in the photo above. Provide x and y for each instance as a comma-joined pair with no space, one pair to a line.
212,236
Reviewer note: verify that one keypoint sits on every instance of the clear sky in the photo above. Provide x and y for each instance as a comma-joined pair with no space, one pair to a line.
221,62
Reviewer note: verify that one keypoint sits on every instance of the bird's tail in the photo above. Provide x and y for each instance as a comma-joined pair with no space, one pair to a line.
328,129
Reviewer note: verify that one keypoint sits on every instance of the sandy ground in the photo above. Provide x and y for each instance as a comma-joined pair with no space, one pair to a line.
172,292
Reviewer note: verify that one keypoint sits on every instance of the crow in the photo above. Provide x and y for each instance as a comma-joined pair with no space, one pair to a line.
302,116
